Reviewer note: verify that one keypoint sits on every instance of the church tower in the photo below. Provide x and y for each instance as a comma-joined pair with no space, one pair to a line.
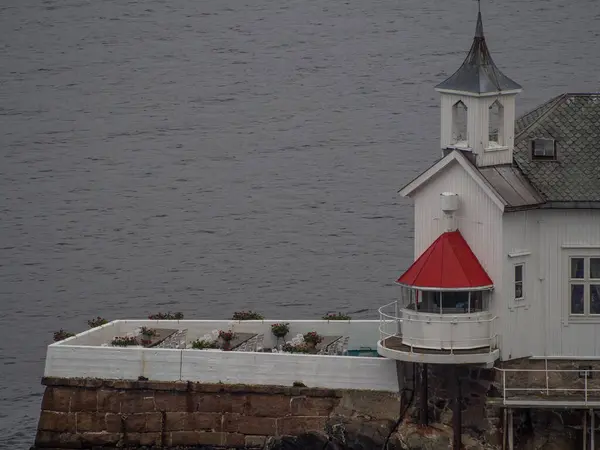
478,107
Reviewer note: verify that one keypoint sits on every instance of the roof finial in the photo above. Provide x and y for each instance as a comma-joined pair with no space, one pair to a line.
479,28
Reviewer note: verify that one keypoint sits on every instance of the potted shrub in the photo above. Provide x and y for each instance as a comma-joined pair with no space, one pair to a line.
97,322
148,332
312,339
247,315
336,316
166,316
61,335
226,337
124,341
201,344
280,330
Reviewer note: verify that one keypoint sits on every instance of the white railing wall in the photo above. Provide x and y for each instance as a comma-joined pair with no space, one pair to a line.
438,331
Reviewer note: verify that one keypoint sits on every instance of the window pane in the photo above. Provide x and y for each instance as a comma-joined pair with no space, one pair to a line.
595,268
519,289
595,299
576,267
577,299
519,273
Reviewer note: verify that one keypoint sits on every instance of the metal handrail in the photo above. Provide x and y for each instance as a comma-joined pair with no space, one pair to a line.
586,390
399,318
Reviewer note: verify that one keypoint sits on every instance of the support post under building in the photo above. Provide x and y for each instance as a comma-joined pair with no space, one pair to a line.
424,398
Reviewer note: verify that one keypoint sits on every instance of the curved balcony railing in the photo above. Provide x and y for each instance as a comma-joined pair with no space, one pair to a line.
431,331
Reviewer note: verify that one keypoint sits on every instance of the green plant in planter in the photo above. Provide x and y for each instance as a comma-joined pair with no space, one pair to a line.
336,316
312,338
299,348
61,335
148,332
166,316
97,322
247,315
201,344
124,341
280,330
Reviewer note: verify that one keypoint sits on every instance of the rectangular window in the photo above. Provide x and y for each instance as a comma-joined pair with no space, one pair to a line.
584,286
519,295
543,148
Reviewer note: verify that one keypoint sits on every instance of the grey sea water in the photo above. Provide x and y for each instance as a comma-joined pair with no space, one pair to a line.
208,156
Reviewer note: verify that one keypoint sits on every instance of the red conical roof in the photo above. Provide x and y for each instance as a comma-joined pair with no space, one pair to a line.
448,264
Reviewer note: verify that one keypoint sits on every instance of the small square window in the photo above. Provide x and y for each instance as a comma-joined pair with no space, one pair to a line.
595,268
543,148
577,271
519,282
577,299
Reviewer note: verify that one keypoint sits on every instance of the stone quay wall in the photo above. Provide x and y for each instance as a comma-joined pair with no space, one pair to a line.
95,413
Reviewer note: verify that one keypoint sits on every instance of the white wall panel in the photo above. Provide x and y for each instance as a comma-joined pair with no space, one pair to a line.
334,372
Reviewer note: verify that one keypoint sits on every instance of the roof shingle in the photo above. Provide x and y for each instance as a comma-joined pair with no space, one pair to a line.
573,121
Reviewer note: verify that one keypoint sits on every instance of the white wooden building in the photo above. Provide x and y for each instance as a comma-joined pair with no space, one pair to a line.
523,195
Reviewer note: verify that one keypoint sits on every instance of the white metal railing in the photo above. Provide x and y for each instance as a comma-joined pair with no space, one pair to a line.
583,384
454,332
389,322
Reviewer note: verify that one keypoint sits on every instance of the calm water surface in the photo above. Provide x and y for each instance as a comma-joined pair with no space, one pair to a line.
208,156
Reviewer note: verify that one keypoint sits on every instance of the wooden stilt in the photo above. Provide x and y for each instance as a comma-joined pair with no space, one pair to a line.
511,436
456,412
585,414
504,425
424,413
592,429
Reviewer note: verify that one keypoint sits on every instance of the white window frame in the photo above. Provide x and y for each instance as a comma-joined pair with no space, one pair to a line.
587,281
522,297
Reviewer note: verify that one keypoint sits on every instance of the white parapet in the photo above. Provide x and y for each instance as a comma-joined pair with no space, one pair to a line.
88,355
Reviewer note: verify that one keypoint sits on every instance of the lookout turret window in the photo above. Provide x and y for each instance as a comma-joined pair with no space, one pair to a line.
459,124
496,125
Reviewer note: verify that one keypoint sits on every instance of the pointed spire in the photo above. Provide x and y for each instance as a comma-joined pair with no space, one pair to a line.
478,74
479,28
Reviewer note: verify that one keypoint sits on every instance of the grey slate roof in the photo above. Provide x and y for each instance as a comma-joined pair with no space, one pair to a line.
478,73
573,179
511,185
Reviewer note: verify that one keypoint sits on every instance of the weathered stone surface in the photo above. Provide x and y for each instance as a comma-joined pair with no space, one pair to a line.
115,423
196,421
57,421
137,402
238,423
136,439
99,439
255,441
85,400
49,439
57,399
220,403
236,440
196,438
296,425
379,405
90,421
312,406
267,406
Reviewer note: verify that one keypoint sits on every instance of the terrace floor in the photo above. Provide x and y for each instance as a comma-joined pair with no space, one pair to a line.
393,347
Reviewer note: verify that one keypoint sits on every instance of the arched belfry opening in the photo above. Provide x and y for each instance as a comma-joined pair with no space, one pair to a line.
459,123
496,125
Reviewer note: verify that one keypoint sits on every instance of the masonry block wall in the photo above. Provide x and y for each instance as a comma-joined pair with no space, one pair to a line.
86,413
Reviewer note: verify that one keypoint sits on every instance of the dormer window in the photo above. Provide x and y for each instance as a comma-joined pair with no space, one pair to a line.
543,149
